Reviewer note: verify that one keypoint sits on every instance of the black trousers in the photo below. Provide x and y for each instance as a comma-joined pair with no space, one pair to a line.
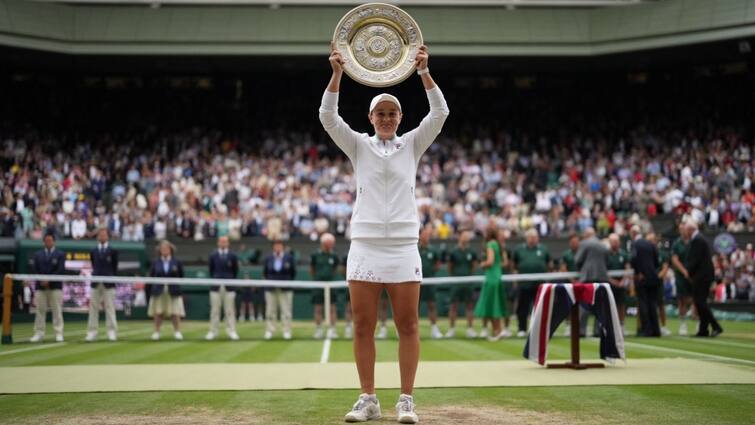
525,300
647,298
700,296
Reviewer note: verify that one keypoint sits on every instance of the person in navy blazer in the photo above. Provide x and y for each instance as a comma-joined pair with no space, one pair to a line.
224,264
104,261
49,295
166,300
645,263
279,266
701,274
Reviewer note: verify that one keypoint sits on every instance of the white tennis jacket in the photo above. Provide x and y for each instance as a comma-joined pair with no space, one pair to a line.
386,173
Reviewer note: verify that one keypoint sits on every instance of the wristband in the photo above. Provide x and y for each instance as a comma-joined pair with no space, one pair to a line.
423,71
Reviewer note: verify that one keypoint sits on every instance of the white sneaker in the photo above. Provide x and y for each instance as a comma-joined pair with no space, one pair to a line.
506,333
435,333
450,333
383,332
91,336
483,333
405,410
268,335
37,338
111,336
332,334
521,334
287,335
210,336
155,336
59,338
665,331
683,329
178,336
347,332
471,333
233,335
318,333
365,409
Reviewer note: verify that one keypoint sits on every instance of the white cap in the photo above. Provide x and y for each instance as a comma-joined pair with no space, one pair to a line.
384,97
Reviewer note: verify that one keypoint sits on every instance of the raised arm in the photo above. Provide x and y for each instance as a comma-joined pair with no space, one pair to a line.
431,125
334,125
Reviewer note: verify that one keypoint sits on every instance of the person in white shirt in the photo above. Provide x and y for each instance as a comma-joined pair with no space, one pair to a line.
384,228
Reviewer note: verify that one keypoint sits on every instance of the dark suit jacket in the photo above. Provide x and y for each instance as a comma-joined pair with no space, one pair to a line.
104,264
645,262
287,271
700,262
220,268
55,263
175,270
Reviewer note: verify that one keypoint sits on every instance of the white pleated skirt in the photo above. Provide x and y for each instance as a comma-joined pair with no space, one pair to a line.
383,261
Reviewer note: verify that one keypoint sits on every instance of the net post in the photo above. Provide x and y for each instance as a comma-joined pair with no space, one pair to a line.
326,307
7,337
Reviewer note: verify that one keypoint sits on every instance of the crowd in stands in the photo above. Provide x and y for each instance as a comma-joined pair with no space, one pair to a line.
555,160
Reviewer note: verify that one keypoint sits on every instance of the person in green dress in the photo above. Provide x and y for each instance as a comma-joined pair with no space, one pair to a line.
492,302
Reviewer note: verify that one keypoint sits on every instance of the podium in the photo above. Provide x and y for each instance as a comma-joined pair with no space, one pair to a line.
556,302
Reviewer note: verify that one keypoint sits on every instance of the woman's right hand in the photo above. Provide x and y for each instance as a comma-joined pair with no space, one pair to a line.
336,60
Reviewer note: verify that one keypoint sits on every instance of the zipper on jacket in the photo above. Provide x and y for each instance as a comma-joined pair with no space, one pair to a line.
385,194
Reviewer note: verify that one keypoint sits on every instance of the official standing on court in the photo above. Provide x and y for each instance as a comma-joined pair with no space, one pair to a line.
323,267
645,263
462,261
49,295
166,300
224,264
427,293
701,274
279,266
530,257
104,263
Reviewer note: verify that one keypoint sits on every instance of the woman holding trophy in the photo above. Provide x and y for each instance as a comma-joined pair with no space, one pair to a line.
384,226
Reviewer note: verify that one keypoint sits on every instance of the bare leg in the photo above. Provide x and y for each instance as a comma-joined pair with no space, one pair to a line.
470,314
318,315
365,297
452,312
158,322
176,323
405,302
432,312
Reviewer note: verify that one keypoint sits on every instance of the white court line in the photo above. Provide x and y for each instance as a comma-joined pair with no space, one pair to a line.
60,344
694,353
325,351
38,347
727,343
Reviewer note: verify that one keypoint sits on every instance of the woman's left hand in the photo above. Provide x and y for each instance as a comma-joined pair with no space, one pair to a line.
422,57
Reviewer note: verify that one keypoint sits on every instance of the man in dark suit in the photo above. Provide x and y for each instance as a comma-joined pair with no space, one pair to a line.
647,283
104,263
224,264
279,266
49,295
700,273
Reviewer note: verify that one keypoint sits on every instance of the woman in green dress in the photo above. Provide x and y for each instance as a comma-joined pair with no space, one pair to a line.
491,305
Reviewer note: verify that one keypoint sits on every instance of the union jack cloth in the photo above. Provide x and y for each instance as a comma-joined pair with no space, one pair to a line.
553,304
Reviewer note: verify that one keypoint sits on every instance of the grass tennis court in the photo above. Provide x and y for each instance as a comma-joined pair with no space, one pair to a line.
668,403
